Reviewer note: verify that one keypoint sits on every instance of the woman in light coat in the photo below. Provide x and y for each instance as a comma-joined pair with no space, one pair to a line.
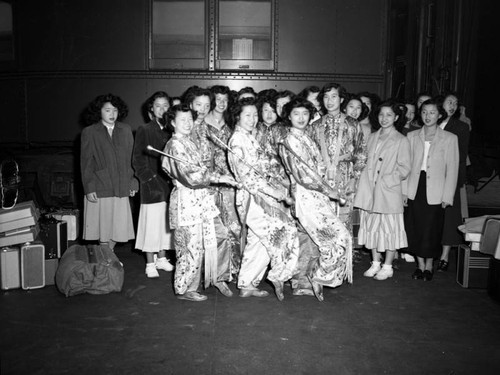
379,193
430,187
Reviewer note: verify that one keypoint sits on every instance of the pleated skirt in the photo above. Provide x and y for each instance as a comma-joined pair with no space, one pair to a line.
108,219
153,230
424,223
382,231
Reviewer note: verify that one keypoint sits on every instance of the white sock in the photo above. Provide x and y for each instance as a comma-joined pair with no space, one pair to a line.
150,264
376,263
387,266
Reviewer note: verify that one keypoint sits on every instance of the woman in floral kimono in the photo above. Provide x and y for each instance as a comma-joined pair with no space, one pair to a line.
192,208
312,196
272,235
342,147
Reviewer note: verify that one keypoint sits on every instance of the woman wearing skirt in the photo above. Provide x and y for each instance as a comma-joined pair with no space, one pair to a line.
107,174
430,186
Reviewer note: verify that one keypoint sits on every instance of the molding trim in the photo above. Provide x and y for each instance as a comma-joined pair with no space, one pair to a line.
207,75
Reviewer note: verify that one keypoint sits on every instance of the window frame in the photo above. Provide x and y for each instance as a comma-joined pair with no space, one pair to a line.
212,62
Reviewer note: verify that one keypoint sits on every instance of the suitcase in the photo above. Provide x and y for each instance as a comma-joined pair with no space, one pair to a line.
19,211
54,236
50,271
32,266
72,217
10,271
19,236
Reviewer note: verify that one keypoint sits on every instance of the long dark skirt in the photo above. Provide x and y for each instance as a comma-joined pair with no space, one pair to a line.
424,223
452,219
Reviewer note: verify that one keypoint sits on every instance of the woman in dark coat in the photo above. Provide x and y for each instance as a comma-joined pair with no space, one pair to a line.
153,232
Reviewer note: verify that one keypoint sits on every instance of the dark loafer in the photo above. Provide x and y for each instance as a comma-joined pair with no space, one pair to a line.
427,275
418,274
442,265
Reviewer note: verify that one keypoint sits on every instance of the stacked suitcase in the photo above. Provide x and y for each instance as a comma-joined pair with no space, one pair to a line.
30,247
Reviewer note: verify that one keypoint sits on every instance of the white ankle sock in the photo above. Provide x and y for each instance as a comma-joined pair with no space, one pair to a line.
387,266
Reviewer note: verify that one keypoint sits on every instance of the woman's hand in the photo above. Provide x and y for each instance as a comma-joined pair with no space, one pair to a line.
228,180
444,204
405,200
92,197
132,193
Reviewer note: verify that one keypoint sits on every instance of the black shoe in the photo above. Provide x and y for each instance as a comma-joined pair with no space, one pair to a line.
427,275
442,265
418,274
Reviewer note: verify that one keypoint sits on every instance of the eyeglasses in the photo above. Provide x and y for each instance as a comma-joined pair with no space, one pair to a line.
9,183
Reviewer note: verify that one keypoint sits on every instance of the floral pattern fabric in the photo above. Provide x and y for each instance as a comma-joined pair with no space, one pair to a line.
315,212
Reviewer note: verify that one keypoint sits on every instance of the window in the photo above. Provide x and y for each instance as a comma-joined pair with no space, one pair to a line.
212,35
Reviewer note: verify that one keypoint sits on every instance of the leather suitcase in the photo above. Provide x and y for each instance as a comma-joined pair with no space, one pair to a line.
10,272
32,266
72,217
54,235
19,211
50,271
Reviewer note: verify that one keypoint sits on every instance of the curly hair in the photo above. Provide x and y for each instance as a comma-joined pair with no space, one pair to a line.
364,108
399,110
237,108
93,111
169,116
297,102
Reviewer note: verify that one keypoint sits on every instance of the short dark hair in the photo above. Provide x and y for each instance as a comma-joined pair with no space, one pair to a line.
439,105
297,102
399,110
93,111
237,108
169,116
328,87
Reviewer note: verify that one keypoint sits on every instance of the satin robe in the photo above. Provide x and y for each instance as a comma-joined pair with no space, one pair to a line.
315,212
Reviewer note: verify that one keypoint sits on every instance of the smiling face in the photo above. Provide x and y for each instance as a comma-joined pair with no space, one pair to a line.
387,117
221,103
201,105
331,101
109,114
248,117
299,117
160,106
353,108
269,115
183,123
430,115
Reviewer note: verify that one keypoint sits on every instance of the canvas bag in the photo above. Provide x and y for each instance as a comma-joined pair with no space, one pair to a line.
92,269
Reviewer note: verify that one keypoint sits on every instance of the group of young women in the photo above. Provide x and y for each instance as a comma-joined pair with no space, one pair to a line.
245,184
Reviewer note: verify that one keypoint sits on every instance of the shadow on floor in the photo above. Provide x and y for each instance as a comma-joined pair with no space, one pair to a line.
397,326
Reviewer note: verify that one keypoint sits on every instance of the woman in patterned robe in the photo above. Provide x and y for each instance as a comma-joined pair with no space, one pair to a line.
312,196
342,147
193,213
272,235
